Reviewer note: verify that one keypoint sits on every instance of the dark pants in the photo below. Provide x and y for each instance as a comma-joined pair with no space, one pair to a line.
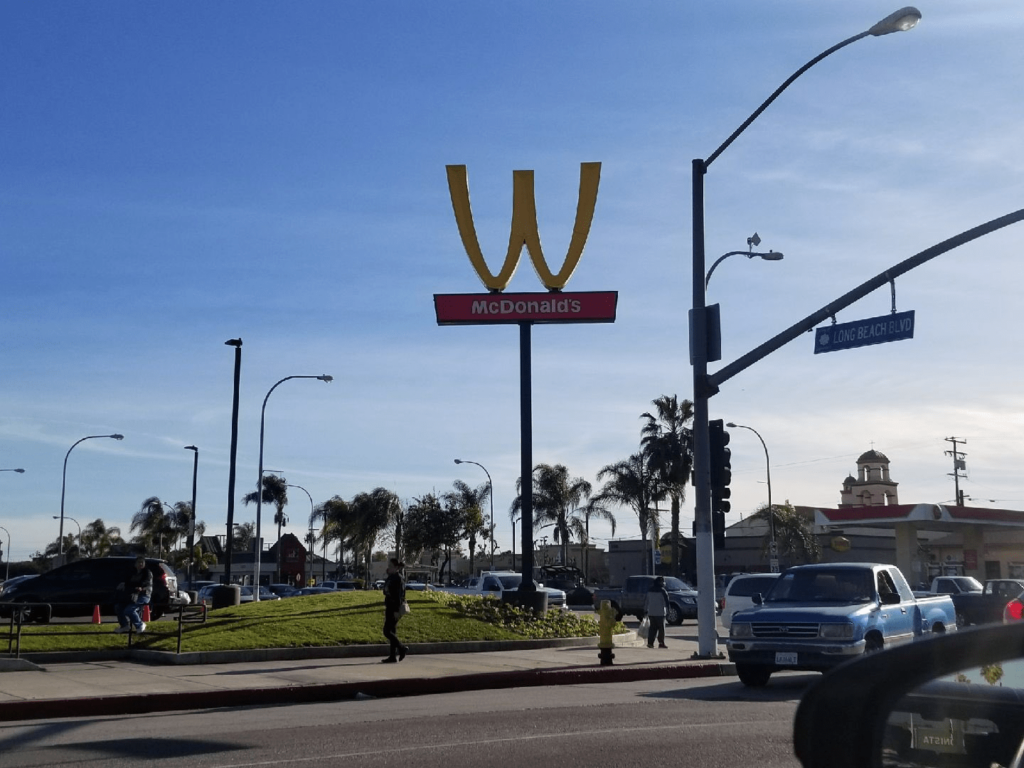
390,624
657,628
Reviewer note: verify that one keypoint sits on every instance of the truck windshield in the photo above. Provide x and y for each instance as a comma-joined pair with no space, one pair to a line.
510,582
828,586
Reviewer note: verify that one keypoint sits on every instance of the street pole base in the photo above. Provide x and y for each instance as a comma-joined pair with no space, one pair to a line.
698,657
606,656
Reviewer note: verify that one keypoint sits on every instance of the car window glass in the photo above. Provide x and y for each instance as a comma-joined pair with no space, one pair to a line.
672,584
972,717
748,587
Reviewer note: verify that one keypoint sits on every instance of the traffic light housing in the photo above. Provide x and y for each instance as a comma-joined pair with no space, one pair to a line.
721,466
718,529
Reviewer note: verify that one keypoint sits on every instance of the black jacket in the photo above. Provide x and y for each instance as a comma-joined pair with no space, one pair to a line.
394,592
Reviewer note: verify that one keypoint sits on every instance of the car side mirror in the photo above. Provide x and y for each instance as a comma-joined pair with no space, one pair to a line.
757,599
955,698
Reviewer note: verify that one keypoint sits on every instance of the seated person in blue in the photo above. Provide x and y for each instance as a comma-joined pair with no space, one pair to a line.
134,593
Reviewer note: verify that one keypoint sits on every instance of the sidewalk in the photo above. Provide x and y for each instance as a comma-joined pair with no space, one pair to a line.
39,690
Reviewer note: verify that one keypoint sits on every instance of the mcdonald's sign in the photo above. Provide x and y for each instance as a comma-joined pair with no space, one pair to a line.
555,306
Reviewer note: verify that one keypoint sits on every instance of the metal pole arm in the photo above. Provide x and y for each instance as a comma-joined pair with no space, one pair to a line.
718,378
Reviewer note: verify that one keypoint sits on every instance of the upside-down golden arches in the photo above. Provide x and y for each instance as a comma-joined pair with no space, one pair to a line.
524,230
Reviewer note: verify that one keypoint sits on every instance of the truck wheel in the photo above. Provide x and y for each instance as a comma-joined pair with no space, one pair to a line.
753,675
873,643
640,615
618,612
674,616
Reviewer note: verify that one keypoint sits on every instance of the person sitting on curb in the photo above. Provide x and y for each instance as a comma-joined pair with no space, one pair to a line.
656,607
134,593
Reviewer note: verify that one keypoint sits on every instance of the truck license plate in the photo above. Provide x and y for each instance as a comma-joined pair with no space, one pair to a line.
784,659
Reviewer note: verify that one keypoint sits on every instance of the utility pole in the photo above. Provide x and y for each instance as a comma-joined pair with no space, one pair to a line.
959,465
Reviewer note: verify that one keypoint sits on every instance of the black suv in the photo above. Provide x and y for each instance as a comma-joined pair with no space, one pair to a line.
75,589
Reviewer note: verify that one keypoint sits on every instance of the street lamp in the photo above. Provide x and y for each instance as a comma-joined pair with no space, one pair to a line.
311,514
903,19
233,460
259,480
7,574
192,518
69,517
774,558
490,485
752,242
63,487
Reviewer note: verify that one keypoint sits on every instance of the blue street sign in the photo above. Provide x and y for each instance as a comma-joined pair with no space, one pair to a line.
862,333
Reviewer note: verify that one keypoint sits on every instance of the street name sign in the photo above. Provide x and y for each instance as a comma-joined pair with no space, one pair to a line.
863,333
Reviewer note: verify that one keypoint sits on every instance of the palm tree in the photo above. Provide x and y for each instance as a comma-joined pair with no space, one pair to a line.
631,483
669,445
794,535
558,501
582,530
98,540
372,514
242,536
152,524
274,491
338,525
469,502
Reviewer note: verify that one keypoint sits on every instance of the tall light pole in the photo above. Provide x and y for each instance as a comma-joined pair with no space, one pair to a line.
63,488
311,513
233,459
20,471
192,518
69,517
774,552
7,574
259,480
490,485
903,19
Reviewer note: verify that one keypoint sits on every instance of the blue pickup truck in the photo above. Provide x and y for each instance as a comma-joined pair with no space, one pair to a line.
818,616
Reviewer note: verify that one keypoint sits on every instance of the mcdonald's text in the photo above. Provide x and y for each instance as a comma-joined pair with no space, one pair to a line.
553,307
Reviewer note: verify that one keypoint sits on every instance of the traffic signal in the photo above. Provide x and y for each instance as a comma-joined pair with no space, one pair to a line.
721,466
718,529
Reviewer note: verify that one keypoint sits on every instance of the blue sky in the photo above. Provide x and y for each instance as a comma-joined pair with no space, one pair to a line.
176,175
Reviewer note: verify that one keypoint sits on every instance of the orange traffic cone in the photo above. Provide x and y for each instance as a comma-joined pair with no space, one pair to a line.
96,615
145,613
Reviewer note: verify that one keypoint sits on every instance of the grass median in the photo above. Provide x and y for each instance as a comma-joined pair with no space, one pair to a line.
342,618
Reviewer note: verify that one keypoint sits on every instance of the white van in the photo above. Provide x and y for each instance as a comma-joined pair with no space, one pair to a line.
741,590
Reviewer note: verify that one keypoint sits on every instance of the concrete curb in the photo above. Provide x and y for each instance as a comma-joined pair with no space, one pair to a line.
306,694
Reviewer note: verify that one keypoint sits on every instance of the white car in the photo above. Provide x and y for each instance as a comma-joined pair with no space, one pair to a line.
739,594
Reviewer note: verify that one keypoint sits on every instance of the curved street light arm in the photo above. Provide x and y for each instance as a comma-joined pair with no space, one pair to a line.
490,484
63,488
257,565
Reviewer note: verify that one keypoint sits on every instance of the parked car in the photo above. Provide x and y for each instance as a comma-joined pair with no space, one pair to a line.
569,579
15,581
740,592
338,585
313,591
265,594
75,589
283,590
818,616
976,603
682,598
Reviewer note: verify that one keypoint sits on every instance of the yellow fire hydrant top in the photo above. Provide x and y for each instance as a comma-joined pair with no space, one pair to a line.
605,624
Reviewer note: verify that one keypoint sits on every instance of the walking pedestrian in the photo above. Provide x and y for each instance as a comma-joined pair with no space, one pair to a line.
656,607
394,599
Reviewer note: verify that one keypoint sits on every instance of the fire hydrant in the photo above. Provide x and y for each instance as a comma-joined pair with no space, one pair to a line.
605,624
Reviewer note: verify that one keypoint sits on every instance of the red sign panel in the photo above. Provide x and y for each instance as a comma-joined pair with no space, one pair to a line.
491,308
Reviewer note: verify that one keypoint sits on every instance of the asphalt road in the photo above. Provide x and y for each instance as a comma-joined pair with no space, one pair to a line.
714,723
